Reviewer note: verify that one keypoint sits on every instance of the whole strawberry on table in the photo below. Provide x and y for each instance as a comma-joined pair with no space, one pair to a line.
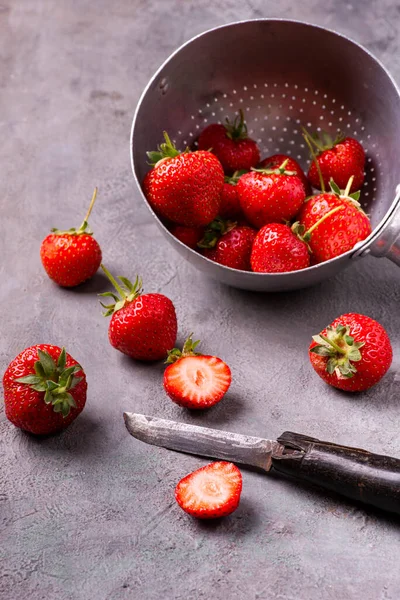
353,353
44,389
143,326
72,256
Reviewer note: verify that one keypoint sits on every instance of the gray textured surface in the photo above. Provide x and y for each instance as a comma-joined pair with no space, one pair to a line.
90,514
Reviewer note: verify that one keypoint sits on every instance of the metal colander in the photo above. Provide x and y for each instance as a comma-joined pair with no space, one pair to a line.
283,75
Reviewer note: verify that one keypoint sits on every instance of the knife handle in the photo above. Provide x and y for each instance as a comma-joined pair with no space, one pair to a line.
357,474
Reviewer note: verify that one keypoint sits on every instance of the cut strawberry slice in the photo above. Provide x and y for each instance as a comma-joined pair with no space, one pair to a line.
194,380
210,492
197,381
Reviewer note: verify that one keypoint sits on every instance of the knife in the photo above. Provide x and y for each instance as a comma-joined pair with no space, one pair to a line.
357,474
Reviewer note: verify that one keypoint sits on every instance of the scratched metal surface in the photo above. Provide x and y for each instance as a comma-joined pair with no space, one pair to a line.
90,514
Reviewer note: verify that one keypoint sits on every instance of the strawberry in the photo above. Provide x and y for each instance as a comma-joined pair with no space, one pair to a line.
275,161
337,159
228,244
210,492
279,248
352,354
194,380
143,326
190,236
44,389
342,230
230,204
71,257
270,195
185,187
276,249
231,144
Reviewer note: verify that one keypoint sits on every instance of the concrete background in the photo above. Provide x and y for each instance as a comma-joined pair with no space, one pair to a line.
90,514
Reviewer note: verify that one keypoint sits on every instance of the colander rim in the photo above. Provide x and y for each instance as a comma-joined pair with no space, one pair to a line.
360,248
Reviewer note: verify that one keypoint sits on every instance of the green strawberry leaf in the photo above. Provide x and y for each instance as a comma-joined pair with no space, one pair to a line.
331,366
48,364
54,380
29,379
321,351
62,360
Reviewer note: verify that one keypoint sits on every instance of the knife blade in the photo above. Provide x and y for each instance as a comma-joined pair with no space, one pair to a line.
202,441
357,474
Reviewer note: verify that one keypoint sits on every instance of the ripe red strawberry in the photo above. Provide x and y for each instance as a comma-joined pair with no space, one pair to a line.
210,492
190,236
275,161
194,380
277,249
143,326
231,144
71,257
185,187
270,196
228,244
337,159
44,389
230,205
352,354
342,230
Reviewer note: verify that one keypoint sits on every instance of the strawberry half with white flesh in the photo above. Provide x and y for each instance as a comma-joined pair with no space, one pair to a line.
194,380
210,492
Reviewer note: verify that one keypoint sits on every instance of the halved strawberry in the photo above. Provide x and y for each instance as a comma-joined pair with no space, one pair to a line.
210,492
194,380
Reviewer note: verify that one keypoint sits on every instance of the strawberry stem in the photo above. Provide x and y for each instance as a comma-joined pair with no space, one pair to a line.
333,344
348,186
189,349
283,165
307,139
321,220
86,219
238,129
119,289
128,292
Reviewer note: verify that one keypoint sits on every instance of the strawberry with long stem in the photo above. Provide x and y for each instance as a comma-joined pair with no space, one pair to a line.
336,159
71,256
278,248
343,230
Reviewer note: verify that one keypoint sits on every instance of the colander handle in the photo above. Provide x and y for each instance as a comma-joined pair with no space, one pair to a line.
387,243
360,475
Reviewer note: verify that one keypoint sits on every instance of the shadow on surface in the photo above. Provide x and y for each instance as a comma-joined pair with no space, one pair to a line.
96,285
80,438
335,504
226,411
243,521
154,366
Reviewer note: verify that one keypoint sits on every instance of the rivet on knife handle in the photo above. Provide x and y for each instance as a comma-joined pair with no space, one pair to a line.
360,475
